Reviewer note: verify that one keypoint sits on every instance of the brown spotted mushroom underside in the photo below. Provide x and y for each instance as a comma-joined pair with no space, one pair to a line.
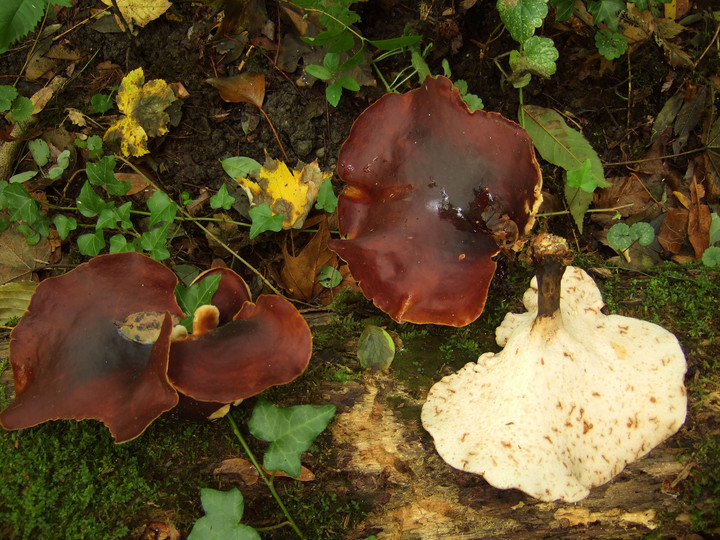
572,398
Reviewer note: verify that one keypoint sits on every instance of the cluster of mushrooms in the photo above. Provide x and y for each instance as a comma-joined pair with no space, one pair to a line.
574,396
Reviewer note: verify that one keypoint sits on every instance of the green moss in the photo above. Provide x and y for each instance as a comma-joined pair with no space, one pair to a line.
704,490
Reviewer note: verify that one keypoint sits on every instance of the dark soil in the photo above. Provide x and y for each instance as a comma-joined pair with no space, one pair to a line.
398,488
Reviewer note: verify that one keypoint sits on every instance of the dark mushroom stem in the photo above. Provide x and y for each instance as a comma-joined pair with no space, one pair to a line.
550,254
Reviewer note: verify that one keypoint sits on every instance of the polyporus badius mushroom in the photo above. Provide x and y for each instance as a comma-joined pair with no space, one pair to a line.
433,192
574,396
98,342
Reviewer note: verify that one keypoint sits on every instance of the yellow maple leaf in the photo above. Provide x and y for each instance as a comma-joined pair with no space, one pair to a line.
144,107
141,12
290,193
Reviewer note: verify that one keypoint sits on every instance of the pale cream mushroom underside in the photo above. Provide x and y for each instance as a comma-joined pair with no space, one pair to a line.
570,400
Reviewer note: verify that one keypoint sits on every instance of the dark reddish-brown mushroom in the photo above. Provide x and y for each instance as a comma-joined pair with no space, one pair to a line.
433,192
255,346
82,351
96,343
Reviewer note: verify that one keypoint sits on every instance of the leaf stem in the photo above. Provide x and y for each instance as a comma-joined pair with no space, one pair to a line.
262,474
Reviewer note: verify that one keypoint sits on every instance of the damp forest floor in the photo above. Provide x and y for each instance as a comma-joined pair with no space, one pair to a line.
66,479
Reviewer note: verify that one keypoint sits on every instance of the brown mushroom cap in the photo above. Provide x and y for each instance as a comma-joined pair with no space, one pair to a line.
72,358
433,193
266,344
231,294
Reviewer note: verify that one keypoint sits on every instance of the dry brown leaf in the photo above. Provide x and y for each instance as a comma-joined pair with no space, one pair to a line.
138,182
699,220
299,274
244,88
673,230
17,259
249,473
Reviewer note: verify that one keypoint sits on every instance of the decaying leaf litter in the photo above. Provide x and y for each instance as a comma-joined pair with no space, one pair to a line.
651,121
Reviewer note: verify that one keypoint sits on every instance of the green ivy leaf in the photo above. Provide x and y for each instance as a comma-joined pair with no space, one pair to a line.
222,199
94,146
22,177
119,244
263,220
329,277
240,167
326,198
162,208
192,297
610,44
91,244
290,431
64,225
522,17
606,11
154,242
89,203
32,237
563,9
21,205
40,152
102,174
376,349
223,512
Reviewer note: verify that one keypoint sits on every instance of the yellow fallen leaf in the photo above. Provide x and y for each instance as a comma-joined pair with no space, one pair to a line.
141,12
290,193
144,105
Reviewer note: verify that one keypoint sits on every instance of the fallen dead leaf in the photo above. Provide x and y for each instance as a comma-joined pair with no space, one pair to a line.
138,182
141,12
673,230
244,88
249,473
17,259
699,220
299,273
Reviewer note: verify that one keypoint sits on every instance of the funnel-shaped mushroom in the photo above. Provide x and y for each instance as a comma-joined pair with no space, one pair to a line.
232,356
78,352
433,193
574,396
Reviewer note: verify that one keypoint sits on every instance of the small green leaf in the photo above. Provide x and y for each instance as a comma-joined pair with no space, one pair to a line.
606,11
101,103
89,203
473,102
329,277
94,146
32,237
711,256
102,174
290,431
64,225
263,220
91,244
40,152
419,64
331,61
563,9
240,167
522,17
192,297
21,205
333,92
162,208
22,109
642,233
222,199
344,42
319,72
610,44
619,236
376,349
395,43
119,244
154,242
22,177
224,510
582,178
326,198
714,228
349,83
7,96
355,60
